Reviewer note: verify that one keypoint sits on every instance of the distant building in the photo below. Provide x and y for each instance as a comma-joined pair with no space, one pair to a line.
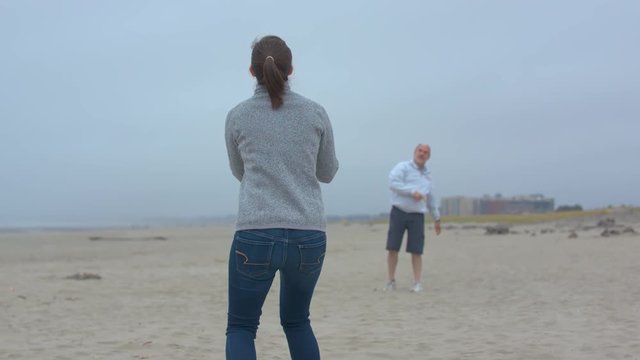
498,204
459,205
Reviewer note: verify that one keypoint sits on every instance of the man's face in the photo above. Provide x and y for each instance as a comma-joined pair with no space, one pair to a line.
422,154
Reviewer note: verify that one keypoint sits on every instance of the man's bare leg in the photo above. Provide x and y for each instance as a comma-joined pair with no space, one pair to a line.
392,264
416,263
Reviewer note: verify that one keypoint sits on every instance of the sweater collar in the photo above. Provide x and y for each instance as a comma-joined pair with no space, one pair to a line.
261,89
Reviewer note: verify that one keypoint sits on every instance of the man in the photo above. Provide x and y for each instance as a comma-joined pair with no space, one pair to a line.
411,196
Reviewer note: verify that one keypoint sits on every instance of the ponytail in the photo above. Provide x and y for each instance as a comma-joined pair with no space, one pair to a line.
273,80
271,63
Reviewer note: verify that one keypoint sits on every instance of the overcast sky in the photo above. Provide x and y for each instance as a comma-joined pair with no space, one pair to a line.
113,111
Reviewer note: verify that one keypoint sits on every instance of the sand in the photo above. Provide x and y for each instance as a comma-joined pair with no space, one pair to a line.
514,296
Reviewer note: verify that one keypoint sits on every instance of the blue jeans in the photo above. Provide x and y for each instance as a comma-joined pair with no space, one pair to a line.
255,257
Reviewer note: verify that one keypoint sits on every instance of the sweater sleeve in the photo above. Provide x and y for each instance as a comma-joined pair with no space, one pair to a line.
327,163
235,160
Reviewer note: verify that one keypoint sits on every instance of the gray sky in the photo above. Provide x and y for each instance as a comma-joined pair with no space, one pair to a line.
114,110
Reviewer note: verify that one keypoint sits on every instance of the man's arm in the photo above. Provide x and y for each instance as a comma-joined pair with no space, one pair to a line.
397,183
433,206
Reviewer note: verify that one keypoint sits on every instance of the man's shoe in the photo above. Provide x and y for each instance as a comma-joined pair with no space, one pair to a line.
390,286
417,287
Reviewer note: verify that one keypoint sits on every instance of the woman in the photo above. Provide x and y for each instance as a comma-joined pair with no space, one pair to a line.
280,146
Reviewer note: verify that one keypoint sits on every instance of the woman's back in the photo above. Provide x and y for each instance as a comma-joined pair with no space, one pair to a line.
279,156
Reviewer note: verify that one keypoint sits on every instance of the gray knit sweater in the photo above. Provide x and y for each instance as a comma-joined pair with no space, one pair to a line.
280,156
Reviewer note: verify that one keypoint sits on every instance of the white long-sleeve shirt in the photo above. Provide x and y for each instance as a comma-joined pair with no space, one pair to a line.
407,178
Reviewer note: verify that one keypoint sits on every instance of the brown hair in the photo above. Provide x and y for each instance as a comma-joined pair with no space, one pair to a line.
271,63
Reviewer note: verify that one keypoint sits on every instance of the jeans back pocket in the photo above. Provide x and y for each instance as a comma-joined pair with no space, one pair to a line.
312,255
253,258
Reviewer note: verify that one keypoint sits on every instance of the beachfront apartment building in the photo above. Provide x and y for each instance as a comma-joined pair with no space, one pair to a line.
497,204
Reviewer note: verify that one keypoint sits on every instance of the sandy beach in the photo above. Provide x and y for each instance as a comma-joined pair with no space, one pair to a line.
534,293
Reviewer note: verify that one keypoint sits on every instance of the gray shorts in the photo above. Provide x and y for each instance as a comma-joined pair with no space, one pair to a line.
399,221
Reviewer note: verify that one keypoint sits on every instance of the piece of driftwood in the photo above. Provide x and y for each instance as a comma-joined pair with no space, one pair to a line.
497,230
607,222
84,276
613,232
118,238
